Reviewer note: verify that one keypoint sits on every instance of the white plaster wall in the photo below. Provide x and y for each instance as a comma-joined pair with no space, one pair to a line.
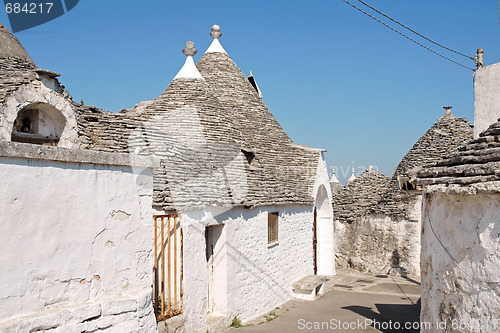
51,122
324,233
370,242
39,92
324,223
259,277
460,277
322,178
487,97
76,243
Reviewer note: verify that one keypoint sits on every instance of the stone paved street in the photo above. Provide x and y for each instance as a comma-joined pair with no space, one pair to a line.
352,298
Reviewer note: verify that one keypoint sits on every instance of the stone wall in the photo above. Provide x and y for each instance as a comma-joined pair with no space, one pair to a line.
76,235
369,238
460,258
379,244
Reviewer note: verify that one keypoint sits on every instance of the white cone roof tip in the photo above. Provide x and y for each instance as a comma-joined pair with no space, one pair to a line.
215,47
334,178
189,70
352,176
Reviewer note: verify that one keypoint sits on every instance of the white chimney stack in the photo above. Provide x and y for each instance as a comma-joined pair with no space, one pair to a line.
486,95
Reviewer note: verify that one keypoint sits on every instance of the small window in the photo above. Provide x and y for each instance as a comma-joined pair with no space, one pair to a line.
250,156
272,228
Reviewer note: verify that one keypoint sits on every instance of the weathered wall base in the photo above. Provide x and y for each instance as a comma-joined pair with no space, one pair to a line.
379,244
131,314
460,260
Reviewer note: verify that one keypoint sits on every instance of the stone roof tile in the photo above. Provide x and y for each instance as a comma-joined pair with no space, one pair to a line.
444,138
289,169
16,67
476,162
357,196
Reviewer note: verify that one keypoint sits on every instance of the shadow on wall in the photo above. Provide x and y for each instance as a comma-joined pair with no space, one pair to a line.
389,314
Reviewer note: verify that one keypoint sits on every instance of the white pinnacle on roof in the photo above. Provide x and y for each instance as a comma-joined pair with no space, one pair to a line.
215,47
352,176
189,70
334,178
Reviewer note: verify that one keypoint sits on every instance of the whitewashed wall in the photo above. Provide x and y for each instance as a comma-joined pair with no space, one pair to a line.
258,277
380,244
460,260
251,277
76,241
324,220
487,97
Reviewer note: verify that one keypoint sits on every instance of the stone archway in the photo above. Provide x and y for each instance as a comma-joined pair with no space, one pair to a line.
51,105
38,123
325,254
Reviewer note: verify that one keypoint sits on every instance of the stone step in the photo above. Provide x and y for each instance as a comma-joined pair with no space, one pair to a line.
309,287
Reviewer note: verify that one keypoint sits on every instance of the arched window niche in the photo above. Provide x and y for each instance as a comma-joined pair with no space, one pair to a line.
38,123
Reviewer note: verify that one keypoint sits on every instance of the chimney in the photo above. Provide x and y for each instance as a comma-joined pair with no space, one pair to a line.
486,94
479,58
447,113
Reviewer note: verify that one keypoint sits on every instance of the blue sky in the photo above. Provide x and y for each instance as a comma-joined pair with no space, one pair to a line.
333,78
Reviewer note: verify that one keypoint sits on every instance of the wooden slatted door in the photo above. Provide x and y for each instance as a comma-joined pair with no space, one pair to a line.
167,266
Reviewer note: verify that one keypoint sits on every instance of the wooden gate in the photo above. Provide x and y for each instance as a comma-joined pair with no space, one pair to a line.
168,266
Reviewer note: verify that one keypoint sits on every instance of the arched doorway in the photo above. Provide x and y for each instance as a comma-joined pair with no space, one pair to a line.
324,234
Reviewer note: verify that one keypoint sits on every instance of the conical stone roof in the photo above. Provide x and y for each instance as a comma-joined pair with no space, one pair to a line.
16,67
476,162
357,196
441,140
289,169
203,163
10,47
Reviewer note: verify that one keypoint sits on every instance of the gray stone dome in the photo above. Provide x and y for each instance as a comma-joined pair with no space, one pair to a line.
10,47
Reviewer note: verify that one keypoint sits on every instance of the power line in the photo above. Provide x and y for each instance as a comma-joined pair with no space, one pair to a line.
409,38
404,26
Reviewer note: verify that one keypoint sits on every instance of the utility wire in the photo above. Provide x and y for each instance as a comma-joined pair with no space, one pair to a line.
405,36
416,33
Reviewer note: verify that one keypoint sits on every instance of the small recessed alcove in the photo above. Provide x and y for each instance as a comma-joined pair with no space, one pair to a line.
38,123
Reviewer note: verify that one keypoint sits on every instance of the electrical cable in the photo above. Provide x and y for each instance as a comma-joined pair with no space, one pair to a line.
409,38
404,26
